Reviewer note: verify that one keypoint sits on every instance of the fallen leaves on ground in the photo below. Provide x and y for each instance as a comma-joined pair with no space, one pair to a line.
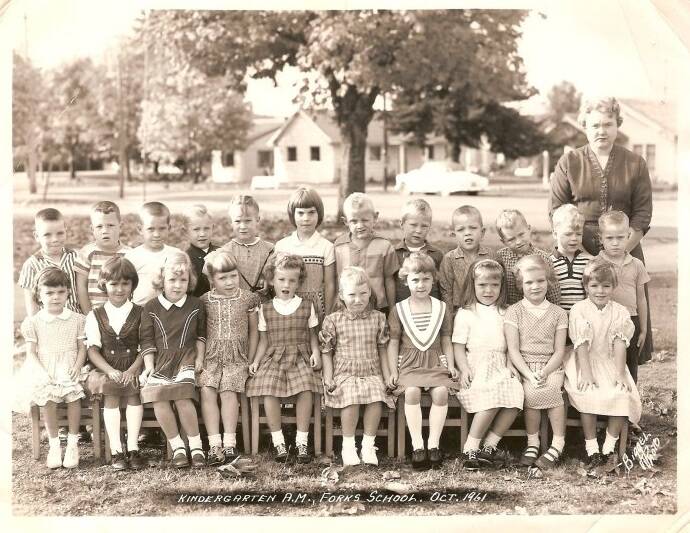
398,488
330,475
341,508
240,467
390,475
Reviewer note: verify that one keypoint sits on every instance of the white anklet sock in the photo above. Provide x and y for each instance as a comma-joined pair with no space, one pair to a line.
176,442
592,446
194,442
558,442
214,440
368,440
302,437
277,437
348,442
230,440
471,444
533,439
609,444
491,439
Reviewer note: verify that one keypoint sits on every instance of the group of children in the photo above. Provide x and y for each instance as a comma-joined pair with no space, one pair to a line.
361,321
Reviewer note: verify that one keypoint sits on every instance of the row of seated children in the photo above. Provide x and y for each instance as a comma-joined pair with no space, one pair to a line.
247,262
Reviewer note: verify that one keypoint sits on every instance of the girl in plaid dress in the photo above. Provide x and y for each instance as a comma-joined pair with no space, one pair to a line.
535,331
597,379
419,356
232,336
489,383
287,355
355,339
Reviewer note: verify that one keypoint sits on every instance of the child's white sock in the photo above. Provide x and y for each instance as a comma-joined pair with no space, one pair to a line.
491,439
72,439
437,418
471,443
609,444
214,440
230,440
54,442
302,437
111,419
349,442
134,414
591,446
413,414
195,442
558,442
367,440
533,439
277,437
176,442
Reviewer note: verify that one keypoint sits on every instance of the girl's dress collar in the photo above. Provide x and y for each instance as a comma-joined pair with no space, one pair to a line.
48,317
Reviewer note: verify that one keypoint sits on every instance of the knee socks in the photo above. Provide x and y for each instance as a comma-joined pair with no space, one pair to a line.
437,418
413,414
134,414
111,419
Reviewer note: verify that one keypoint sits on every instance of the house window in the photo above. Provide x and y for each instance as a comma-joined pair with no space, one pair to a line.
265,158
637,148
651,158
430,153
292,153
229,159
375,153
315,153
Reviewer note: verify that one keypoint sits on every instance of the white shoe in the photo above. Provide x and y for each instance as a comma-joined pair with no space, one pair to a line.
54,459
369,455
71,459
350,457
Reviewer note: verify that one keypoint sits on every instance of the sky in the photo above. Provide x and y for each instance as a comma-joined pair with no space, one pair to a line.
618,47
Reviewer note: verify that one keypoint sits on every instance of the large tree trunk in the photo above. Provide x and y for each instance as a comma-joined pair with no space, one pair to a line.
123,161
72,161
30,164
455,152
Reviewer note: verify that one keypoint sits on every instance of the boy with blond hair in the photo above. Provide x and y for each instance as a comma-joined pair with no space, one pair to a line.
199,226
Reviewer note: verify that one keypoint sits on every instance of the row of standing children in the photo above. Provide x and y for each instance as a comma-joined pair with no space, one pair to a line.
352,340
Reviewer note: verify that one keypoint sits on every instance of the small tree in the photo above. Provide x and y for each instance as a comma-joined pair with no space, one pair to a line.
563,98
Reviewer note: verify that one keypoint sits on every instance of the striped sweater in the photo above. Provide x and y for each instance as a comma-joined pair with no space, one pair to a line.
569,276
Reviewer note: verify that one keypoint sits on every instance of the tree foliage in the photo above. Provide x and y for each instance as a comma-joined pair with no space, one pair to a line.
563,98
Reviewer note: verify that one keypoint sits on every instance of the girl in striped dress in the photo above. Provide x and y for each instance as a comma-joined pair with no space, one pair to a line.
489,387
287,354
305,211
535,332
173,341
420,356
355,368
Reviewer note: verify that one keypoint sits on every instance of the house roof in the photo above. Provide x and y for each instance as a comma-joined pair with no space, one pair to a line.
261,126
661,113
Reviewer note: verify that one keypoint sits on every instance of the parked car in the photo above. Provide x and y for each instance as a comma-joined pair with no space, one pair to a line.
442,177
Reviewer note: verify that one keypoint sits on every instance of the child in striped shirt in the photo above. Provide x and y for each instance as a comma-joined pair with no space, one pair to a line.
105,225
569,258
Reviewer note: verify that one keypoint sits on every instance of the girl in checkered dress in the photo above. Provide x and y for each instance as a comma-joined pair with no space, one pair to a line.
489,384
287,355
354,338
535,331
419,356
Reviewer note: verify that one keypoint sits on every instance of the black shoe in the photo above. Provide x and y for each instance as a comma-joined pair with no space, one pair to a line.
435,457
231,453
610,464
179,459
303,455
469,460
491,456
119,461
280,452
594,460
419,459
136,461
198,458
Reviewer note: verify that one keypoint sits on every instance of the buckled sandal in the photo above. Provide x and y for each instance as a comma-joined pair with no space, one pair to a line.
198,457
548,459
529,456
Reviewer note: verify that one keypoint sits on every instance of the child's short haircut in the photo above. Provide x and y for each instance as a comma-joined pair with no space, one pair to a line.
219,261
50,277
48,214
154,209
529,263
305,198
508,218
245,202
613,218
357,200
417,262
115,269
177,263
106,207
354,275
487,267
196,211
567,216
601,270
417,206
467,210
284,261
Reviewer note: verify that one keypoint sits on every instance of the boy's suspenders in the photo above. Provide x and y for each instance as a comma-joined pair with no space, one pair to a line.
254,286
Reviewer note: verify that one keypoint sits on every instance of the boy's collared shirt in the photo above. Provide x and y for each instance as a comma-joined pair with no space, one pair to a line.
377,258
38,261
251,261
452,273
510,259
569,275
402,291
196,256
631,275
89,262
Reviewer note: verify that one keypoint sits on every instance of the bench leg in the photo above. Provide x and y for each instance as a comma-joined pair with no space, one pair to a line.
317,425
255,406
96,427
36,431
329,432
390,432
244,407
401,427
623,440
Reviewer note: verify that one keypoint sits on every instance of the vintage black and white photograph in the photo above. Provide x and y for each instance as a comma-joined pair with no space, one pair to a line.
361,262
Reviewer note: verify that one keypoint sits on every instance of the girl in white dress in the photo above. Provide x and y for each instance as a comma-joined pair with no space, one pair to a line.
597,379
489,385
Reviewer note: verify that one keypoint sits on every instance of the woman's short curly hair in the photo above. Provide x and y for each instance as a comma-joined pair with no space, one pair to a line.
415,263
284,261
608,105
49,277
601,270
115,269
176,264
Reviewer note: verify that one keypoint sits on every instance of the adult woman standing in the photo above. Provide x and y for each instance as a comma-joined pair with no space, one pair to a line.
601,176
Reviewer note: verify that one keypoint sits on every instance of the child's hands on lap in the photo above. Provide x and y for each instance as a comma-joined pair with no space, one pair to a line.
587,381
393,380
130,376
116,376
143,378
198,365
453,373
622,383
74,372
329,384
